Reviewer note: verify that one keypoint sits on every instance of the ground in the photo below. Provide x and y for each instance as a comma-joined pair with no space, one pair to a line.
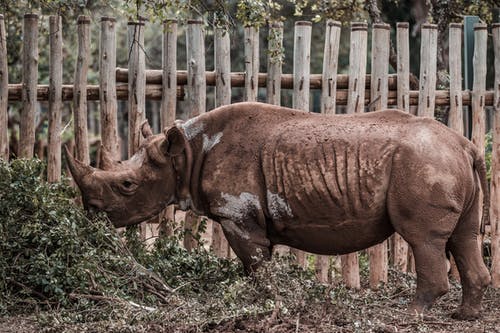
345,311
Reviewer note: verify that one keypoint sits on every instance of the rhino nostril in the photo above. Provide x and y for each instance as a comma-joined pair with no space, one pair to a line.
93,206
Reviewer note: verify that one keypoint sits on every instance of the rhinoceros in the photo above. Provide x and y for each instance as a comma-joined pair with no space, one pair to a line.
328,185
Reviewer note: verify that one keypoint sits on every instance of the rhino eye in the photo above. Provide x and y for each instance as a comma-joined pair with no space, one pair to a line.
127,187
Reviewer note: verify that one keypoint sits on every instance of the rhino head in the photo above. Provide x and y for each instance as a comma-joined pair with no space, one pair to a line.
137,189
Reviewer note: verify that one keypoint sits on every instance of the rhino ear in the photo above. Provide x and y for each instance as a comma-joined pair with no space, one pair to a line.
175,142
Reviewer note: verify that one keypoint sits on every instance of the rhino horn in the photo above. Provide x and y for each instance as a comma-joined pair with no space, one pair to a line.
146,130
105,161
78,169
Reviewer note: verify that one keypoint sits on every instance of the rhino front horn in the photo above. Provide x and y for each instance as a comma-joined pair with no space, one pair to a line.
105,161
78,169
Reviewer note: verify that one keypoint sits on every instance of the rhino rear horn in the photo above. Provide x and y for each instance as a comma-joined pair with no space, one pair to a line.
146,130
78,169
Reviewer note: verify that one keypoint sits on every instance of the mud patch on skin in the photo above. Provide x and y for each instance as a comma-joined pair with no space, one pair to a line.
192,128
277,206
210,142
238,207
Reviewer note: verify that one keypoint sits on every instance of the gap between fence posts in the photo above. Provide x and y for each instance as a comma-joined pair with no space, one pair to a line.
196,90
80,91
301,72
495,168
378,92
4,93
427,81
29,86
55,99
107,87
168,105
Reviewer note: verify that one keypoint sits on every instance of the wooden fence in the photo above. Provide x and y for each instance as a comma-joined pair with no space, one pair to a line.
355,92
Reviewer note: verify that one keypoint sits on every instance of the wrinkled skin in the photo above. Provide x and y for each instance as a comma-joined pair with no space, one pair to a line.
323,184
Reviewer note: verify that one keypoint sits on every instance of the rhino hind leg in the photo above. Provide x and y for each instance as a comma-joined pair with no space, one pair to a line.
474,275
249,242
432,279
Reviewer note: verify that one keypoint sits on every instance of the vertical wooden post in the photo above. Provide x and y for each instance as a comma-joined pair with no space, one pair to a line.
274,64
80,95
428,58
301,82
355,103
479,85
251,36
455,119
107,87
222,97
169,59
136,85
168,104
403,99
55,99
357,67
330,65
30,81
478,89
378,91
4,92
495,169
196,90
403,70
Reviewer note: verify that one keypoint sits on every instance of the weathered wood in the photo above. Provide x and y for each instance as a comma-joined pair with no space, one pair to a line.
196,90
196,83
169,60
222,67
222,97
400,247
479,85
330,66
55,100
380,70
301,92
428,54
79,100
4,93
107,91
380,66
495,168
154,92
251,37
403,75
350,270
301,65
136,85
455,119
29,79
357,67
274,64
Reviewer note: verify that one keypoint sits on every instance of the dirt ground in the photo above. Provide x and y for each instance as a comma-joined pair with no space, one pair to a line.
353,311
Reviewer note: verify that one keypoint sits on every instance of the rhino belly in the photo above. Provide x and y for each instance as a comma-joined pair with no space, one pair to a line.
333,236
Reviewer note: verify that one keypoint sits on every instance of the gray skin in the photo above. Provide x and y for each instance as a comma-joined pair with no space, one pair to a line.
323,184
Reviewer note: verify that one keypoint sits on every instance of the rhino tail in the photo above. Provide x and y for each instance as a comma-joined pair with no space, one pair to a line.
480,167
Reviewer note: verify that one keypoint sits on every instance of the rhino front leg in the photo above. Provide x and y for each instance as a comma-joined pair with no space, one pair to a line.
249,241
